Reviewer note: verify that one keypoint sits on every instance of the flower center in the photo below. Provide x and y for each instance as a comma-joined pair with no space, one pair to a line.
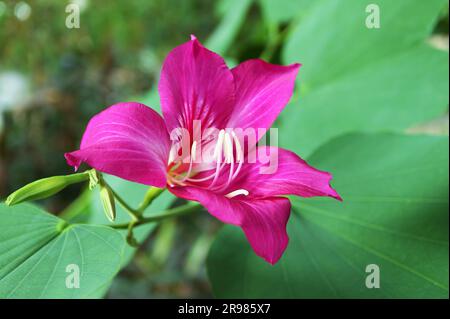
216,172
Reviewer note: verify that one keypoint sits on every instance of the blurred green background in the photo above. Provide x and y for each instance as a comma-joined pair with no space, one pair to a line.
53,79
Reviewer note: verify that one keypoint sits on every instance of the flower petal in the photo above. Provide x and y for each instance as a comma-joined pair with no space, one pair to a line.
262,91
128,140
195,84
276,171
263,220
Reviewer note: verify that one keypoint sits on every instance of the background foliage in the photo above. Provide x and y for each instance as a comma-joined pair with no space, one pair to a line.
371,106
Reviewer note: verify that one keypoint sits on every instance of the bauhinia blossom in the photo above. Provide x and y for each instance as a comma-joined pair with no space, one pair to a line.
131,141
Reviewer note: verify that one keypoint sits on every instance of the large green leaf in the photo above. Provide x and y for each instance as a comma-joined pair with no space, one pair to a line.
278,11
36,248
359,79
394,214
222,37
88,209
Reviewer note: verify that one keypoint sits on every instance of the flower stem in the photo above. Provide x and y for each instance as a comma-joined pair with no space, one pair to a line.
173,212
131,240
134,214
150,196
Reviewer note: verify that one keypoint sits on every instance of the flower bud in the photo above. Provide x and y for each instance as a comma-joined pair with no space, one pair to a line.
108,202
94,178
44,188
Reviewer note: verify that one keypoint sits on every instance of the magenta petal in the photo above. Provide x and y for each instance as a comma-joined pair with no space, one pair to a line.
195,84
262,220
128,140
290,176
262,91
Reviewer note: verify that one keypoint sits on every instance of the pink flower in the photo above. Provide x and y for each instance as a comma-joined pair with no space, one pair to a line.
131,141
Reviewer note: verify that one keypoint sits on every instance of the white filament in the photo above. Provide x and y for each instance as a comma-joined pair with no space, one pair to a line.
193,151
237,192
239,154
218,150
191,161
223,154
228,149
172,154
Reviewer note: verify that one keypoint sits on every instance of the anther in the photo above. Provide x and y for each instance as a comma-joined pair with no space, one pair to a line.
237,192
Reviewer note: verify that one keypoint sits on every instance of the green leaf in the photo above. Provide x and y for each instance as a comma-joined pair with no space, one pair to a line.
359,79
394,214
222,37
152,100
80,210
37,250
278,11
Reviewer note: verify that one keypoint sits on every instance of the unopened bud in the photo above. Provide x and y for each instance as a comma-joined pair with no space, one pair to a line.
107,198
94,178
45,187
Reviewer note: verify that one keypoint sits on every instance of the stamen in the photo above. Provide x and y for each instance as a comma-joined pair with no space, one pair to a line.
216,173
239,150
207,177
239,155
218,150
193,150
224,154
230,177
172,154
191,161
237,192
173,181
229,159
218,156
228,149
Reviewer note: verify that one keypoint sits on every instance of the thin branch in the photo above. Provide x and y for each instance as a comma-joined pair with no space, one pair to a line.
174,212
